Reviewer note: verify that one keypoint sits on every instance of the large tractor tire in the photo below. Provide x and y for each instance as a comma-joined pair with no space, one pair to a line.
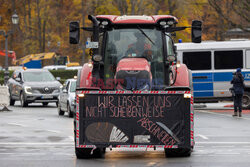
178,152
12,102
85,153
22,100
70,113
246,100
45,104
60,111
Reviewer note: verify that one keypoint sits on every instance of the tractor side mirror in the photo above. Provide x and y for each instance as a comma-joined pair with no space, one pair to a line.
74,32
196,31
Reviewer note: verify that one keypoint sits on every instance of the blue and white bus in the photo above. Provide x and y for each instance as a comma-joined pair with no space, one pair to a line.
213,65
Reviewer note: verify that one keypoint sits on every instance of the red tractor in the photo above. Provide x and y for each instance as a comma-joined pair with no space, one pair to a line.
133,93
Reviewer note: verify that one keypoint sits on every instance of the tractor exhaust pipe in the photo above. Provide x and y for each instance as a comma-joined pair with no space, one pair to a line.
96,65
95,27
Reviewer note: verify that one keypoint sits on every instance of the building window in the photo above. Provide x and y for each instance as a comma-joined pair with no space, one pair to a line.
228,59
197,60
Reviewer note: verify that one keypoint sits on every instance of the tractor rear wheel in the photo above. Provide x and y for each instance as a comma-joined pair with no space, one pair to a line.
246,100
85,153
178,152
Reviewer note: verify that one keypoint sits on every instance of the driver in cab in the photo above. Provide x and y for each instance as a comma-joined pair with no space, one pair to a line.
140,48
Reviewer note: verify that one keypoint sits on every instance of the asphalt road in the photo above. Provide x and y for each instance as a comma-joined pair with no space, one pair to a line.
37,136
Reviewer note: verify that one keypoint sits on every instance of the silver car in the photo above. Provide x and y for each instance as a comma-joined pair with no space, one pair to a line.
66,98
33,86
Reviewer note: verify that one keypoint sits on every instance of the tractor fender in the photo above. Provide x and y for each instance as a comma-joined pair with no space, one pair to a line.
86,76
183,76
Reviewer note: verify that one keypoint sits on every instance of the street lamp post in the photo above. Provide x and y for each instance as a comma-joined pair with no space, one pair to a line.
15,20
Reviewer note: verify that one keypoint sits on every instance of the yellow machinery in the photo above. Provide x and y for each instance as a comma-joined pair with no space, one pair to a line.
51,58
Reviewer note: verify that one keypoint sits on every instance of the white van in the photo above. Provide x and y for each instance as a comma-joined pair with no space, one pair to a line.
55,67
213,65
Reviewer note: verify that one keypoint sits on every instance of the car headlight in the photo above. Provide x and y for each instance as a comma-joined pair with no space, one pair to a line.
28,90
56,90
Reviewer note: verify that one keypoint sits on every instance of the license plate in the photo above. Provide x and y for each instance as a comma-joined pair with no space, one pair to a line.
47,97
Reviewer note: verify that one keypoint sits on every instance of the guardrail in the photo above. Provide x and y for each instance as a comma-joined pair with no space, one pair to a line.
4,98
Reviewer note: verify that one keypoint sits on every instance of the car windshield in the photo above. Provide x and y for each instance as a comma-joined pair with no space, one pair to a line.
73,86
135,43
38,76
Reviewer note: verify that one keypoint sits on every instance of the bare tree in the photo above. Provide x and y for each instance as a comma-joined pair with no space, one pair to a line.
39,25
122,6
234,12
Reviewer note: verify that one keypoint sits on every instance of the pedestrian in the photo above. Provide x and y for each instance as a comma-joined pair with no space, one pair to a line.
238,89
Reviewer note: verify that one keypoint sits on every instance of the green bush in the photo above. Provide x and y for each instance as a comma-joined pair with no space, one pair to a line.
1,81
63,74
2,76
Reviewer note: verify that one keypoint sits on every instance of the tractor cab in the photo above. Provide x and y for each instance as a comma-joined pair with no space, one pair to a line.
138,51
135,54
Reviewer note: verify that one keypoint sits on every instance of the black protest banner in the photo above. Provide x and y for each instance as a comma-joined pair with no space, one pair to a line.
134,118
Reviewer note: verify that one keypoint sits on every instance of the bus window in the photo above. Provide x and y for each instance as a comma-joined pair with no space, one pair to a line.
228,59
197,60
247,58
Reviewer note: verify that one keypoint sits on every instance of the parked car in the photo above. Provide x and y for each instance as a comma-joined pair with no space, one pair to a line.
14,68
33,86
74,68
67,98
55,67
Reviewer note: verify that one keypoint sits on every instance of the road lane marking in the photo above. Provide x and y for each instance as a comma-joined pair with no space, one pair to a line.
210,112
43,143
202,136
198,146
38,146
72,143
16,124
228,136
242,149
213,155
223,146
222,142
68,154
224,153
53,131
36,154
71,138
23,154
7,153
